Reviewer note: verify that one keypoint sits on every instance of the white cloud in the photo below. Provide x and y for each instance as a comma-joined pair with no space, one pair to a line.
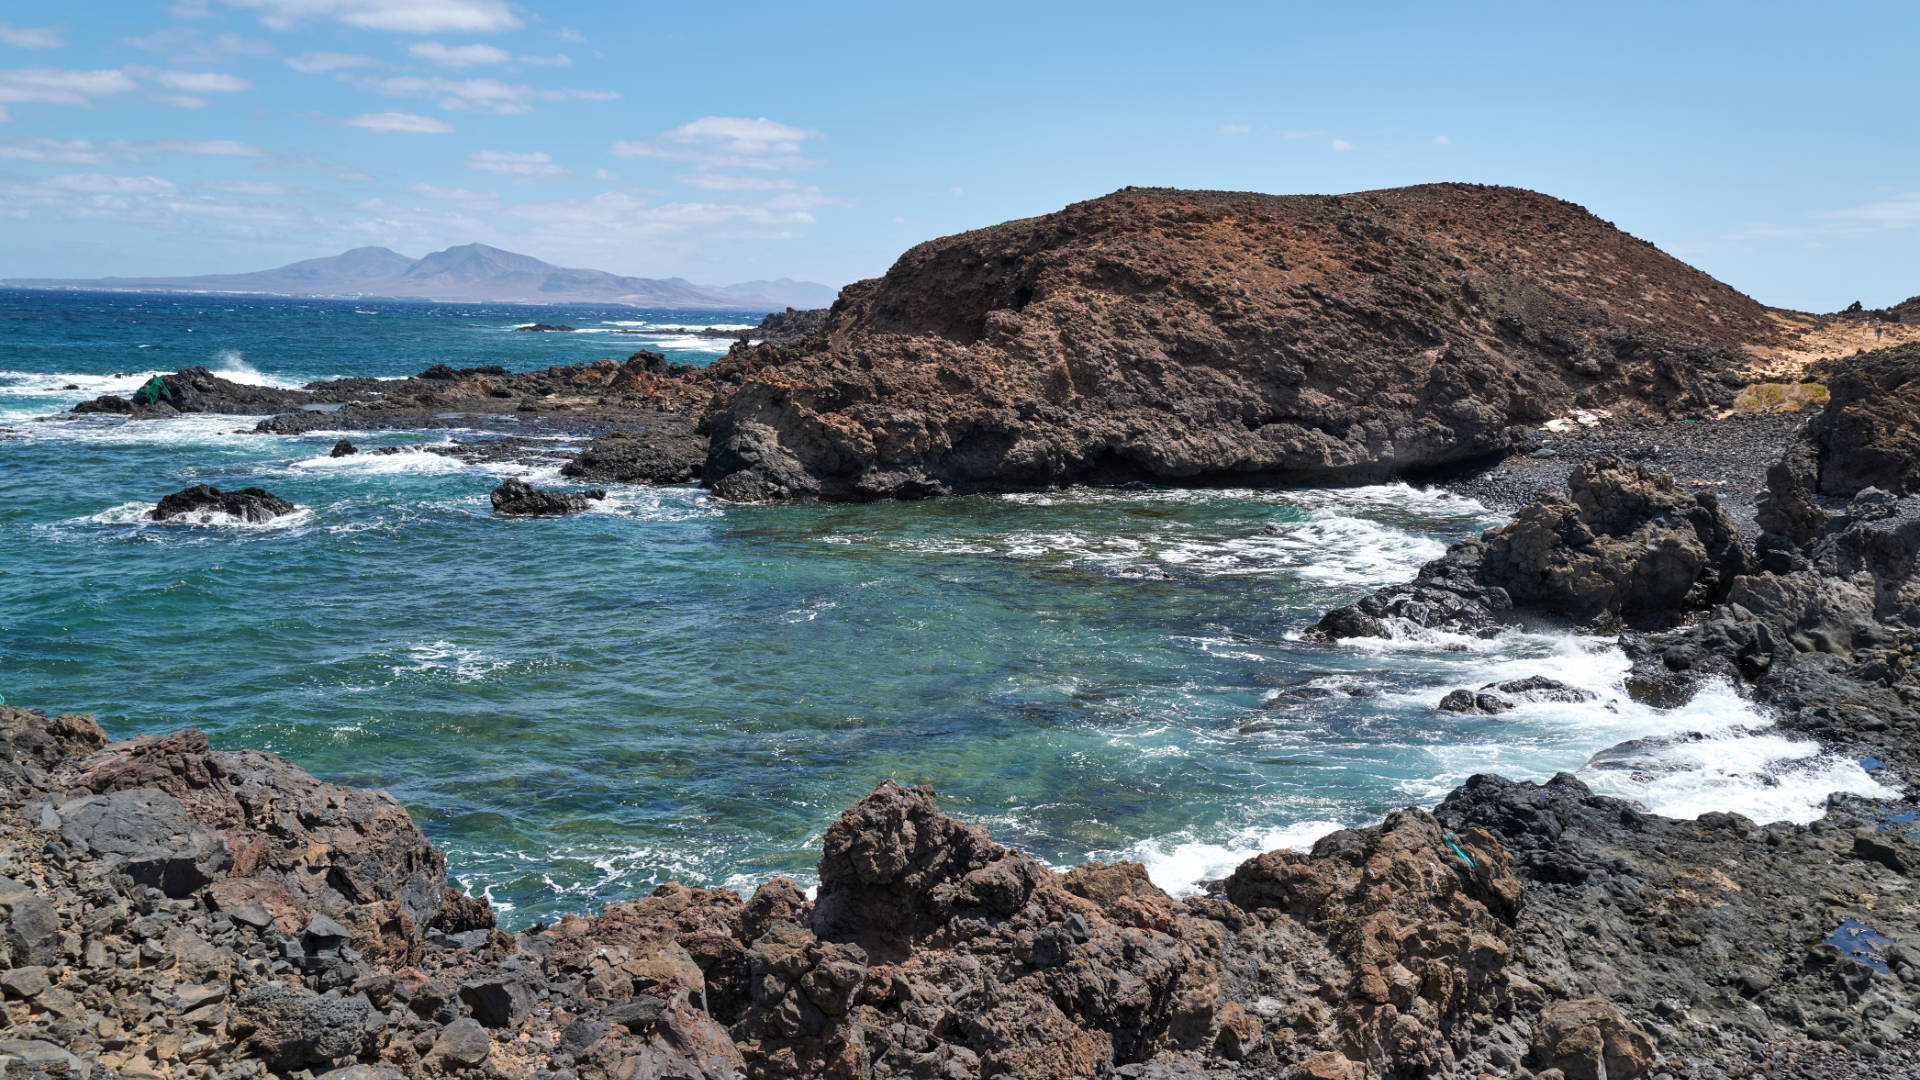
473,95
1441,140
1235,129
565,34
202,82
181,101
505,163
1895,213
605,175
213,147
403,16
556,60
399,123
314,63
59,86
458,55
1341,146
728,182
31,37
726,142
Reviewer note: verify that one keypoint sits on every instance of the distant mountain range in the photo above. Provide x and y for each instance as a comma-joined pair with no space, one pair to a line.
470,272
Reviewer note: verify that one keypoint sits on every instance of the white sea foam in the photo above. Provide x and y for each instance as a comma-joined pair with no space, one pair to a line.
1181,864
230,365
135,515
464,664
407,463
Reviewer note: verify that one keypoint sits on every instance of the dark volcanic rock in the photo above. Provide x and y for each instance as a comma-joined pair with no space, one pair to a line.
662,455
1628,544
1869,433
1192,337
517,497
197,390
550,328
343,448
290,1027
201,503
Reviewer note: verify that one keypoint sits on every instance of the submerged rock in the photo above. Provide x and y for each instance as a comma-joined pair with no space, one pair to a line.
546,328
203,503
518,498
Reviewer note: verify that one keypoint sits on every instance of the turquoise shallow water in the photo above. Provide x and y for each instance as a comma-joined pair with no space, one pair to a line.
670,687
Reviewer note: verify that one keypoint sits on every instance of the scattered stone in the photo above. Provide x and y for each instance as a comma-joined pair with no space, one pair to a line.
464,1042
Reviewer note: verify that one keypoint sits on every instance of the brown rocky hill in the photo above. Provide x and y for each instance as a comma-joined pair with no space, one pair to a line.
1201,337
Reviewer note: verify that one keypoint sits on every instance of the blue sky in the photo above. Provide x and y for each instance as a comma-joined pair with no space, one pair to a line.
1773,145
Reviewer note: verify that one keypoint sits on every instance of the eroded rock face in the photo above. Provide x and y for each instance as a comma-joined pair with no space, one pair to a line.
1628,545
1202,336
520,499
1868,434
206,504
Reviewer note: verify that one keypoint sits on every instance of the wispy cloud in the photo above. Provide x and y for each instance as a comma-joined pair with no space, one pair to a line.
504,163
1897,211
458,56
146,201
399,123
259,188
58,86
1341,146
201,82
31,37
469,200
1235,129
726,142
187,45
402,16
315,63
88,152
473,95
728,182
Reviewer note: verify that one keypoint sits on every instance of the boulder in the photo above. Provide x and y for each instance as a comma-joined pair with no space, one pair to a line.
291,1027
520,499
546,328
29,926
1589,1039
204,504
343,448
145,832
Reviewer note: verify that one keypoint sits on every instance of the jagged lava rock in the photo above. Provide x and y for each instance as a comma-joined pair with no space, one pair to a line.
521,499
203,503
1195,336
1628,544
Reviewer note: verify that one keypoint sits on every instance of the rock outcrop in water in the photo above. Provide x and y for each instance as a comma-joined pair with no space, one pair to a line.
1627,544
170,909
1194,337
207,504
521,499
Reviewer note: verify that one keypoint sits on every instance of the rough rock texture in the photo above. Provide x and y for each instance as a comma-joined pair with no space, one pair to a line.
1205,336
202,503
1516,930
519,498
652,456
1869,433
1627,545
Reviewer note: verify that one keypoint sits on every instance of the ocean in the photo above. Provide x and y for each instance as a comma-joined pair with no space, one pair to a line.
670,687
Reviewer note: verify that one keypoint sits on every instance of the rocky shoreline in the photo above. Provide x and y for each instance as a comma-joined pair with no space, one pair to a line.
168,908
176,910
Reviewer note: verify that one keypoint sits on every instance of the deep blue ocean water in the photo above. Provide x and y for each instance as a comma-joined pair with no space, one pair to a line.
671,687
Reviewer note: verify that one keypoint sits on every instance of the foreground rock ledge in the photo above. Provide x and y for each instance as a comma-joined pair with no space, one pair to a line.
170,909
